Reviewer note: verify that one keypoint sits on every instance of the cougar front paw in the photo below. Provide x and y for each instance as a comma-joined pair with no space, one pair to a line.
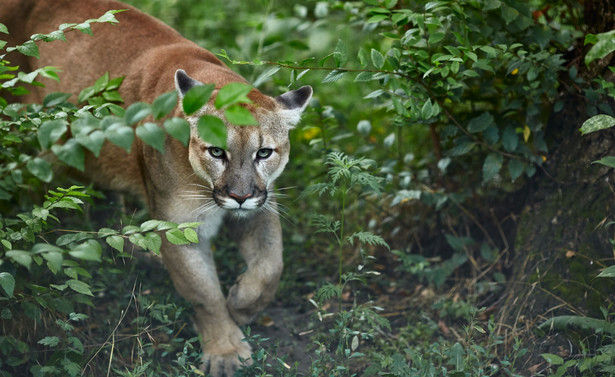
225,365
245,303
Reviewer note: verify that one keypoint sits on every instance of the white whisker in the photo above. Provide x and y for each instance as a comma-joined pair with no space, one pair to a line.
200,186
286,188
207,208
196,196
277,209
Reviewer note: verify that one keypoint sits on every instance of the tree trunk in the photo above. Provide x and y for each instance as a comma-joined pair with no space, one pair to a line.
563,236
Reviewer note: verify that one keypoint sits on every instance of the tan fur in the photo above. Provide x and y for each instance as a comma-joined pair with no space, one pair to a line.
183,184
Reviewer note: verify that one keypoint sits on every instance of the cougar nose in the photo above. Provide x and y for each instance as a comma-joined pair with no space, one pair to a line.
239,198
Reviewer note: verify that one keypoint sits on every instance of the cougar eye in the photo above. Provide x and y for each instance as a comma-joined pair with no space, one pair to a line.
216,152
264,153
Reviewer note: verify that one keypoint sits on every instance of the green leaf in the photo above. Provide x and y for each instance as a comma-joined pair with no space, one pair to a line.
608,272
607,161
471,55
427,109
491,134
29,48
7,282
106,232
50,131
164,104
515,168
79,287
72,369
150,225
77,344
436,37
54,261
362,57
212,130
21,257
152,135
196,98
40,168
84,27
491,4
586,324
480,123
233,93
458,243
137,112
191,235
49,341
112,96
101,83
116,242
364,76
115,83
188,225
377,58
490,51
376,18
552,359
341,53
84,124
89,250
239,116
176,237
120,135
265,75
66,239
333,76
509,14
153,242
462,148
130,229
71,153
138,240
178,128
55,98
492,166
596,123
510,139
85,94
109,17
604,44
94,141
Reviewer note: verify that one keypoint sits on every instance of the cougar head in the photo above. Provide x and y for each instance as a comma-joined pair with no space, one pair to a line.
240,177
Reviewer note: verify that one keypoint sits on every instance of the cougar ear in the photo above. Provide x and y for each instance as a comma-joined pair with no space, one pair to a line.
183,82
296,99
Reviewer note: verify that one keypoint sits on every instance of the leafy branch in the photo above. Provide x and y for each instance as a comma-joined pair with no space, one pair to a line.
30,48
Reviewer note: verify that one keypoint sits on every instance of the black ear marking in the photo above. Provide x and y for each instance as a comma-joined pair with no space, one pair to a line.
296,99
183,82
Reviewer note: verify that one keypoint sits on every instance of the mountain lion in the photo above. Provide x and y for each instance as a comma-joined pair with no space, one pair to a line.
199,183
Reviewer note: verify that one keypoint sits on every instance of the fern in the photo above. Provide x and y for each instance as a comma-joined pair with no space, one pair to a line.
368,238
327,292
318,188
324,224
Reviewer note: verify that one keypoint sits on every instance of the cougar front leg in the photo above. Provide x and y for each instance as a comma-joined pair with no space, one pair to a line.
194,276
259,238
